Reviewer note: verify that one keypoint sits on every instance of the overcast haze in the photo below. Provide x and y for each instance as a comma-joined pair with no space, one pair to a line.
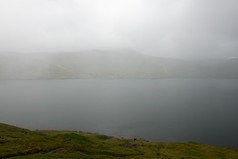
167,28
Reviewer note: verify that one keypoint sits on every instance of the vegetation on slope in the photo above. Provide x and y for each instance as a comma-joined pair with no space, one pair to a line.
17,143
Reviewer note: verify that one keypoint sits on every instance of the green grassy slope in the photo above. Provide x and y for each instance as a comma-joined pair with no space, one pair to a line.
21,143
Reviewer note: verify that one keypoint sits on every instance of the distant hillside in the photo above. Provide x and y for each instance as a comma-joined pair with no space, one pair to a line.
110,64
18,143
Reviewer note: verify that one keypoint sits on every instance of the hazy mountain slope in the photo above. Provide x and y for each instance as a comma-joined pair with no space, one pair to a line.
110,64
23,66
222,68
107,65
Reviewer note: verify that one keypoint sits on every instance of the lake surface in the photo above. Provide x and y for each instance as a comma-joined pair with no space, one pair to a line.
166,110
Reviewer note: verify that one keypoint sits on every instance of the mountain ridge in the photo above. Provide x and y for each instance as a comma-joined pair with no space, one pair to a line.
109,64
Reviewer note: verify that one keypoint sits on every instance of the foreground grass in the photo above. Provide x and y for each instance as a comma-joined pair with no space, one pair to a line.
18,143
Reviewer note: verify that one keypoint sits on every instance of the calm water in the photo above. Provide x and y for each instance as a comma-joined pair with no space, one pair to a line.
174,110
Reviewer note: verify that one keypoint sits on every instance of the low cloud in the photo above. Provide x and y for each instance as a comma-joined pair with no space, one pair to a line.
168,28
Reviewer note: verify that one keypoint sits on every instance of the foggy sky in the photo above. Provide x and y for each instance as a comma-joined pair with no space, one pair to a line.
167,28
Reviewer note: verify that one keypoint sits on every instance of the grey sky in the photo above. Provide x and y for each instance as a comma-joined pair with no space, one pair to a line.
169,28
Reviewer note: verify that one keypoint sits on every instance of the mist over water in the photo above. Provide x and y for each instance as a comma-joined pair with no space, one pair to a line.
166,28
168,110
161,70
